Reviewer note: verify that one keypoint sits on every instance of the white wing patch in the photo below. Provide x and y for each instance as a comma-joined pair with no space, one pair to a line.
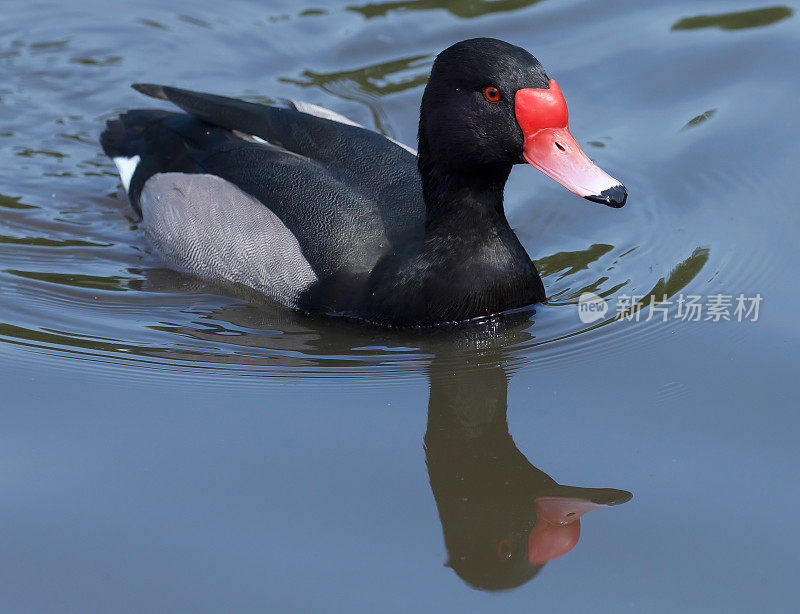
315,109
126,168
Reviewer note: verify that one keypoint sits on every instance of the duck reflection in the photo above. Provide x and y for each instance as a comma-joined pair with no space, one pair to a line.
502,518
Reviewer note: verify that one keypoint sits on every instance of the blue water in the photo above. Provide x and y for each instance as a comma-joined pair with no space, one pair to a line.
168,446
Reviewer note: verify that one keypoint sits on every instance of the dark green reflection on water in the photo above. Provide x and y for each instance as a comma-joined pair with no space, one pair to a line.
366,83
194,21
150,23
77,280
736,21
106,61
681,275
571,262
13,202
678,279
43,338
373,78
30,153
668,287
699,119
466,9
490,497
313,12
45,45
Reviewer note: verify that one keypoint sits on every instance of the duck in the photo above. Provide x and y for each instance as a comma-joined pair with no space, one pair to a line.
328,217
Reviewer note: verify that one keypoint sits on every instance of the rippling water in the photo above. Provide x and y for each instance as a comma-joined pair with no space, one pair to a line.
170,445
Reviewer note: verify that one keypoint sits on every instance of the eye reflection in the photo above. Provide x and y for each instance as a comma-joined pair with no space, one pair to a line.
504,549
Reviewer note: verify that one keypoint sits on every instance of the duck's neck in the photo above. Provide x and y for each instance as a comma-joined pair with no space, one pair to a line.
486,268
454,192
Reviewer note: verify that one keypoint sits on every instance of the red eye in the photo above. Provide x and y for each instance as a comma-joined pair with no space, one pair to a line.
492,94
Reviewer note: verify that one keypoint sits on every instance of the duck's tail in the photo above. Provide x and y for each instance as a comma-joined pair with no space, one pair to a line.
125,141
143,142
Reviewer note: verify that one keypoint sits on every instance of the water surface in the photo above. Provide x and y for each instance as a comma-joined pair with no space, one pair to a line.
169,445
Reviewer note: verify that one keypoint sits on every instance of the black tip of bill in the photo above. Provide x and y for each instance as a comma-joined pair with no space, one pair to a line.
613,197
